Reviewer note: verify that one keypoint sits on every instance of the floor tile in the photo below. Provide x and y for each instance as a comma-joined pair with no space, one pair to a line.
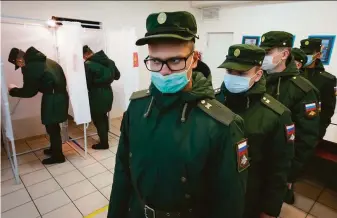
25,158
114,149
40,155
14,199
71,154
6,174
115,123
69,178
92,170
115,130
289,211
29,210
102,180
66,211
80,162
109,163
106,191
62,168
104,214
113,142
310,216
38,144
328,198
102,154
30,167
90,143
90,203
10,186
52,201
5,163
22,148
80,189
313,182
36,177
321,211
307,190
43,188
66,147
303,203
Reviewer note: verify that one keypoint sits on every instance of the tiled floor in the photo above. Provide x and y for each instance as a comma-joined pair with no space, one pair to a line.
80,186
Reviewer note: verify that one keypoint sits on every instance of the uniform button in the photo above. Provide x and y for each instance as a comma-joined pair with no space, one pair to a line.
187,196
130,154
203,102
168,214
183,179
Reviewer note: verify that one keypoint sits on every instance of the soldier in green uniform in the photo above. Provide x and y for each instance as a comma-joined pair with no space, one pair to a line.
178,154
324,82
41,74
269,129
300,58
100,72
285,83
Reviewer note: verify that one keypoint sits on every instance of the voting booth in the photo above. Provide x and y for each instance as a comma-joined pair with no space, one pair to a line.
62,43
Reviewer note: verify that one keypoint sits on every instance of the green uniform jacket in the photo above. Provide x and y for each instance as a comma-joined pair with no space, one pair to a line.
179,152
100,73
325,83
271,147
46,76
299,95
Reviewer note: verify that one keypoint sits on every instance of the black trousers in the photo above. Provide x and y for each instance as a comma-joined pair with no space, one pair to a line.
54,132
101,122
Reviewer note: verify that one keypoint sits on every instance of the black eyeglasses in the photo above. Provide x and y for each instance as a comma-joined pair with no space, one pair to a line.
174,64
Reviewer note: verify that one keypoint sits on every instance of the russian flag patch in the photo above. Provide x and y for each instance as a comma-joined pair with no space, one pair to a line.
336,90
310,110
242,155
290,132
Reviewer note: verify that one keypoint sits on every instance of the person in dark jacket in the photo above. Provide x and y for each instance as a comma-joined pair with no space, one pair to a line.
181,153
41,74
325,82
100,72
300,58
269,129
286,85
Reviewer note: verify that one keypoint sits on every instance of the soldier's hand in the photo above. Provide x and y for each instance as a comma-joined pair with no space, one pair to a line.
11,86
263,215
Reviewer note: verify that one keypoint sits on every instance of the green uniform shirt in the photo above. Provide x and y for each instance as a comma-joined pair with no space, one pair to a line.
180,152
100,73
301,97
325,83
271,133
46,76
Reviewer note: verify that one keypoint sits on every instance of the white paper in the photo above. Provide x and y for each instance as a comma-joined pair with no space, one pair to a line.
71,59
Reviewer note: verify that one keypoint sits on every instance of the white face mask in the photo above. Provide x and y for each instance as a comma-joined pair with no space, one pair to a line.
268,64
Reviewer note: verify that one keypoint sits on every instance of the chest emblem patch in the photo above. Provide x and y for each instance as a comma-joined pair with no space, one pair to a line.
290,131
336,90
310,110
242,155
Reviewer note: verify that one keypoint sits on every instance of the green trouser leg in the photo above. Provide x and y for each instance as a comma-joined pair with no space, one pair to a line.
54,132
102,125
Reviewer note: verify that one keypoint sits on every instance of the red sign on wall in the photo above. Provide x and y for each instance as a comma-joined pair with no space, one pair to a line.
135,59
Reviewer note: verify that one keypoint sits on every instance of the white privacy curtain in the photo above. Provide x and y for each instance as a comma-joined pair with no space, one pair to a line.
71,59
121,48
6,121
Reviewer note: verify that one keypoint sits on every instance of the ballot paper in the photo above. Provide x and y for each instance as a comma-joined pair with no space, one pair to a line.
6,122
71,59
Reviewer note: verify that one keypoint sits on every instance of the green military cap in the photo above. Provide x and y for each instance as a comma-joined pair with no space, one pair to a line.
86,49
299,55
243,57
276,39
309,46
13,55
170,25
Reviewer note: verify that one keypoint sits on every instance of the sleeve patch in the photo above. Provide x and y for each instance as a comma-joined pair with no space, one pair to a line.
319,106
242,155
336,91
310,110
290,131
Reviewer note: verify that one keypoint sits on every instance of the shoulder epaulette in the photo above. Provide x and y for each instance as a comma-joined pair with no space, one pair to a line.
328,75
273,104
216,110
302,83
140,94
217,91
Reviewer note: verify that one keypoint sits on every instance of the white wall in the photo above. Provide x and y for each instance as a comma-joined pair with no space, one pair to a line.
299,18
113,14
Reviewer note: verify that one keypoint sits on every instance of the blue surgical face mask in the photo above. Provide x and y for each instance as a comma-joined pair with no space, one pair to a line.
237,84
172,83
309,61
